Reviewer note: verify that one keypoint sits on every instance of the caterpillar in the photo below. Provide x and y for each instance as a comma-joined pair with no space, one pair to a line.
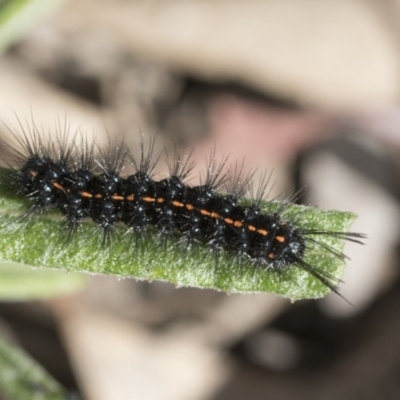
216,219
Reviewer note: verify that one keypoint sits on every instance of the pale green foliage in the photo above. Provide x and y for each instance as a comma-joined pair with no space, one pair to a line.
21,378
17,16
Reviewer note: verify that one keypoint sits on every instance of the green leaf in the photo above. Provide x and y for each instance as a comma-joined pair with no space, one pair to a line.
41,243
17,16
22,282
22,378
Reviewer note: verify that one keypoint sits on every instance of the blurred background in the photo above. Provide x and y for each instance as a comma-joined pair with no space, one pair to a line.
307,89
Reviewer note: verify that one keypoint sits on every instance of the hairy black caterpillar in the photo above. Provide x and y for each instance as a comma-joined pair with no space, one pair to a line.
215,215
